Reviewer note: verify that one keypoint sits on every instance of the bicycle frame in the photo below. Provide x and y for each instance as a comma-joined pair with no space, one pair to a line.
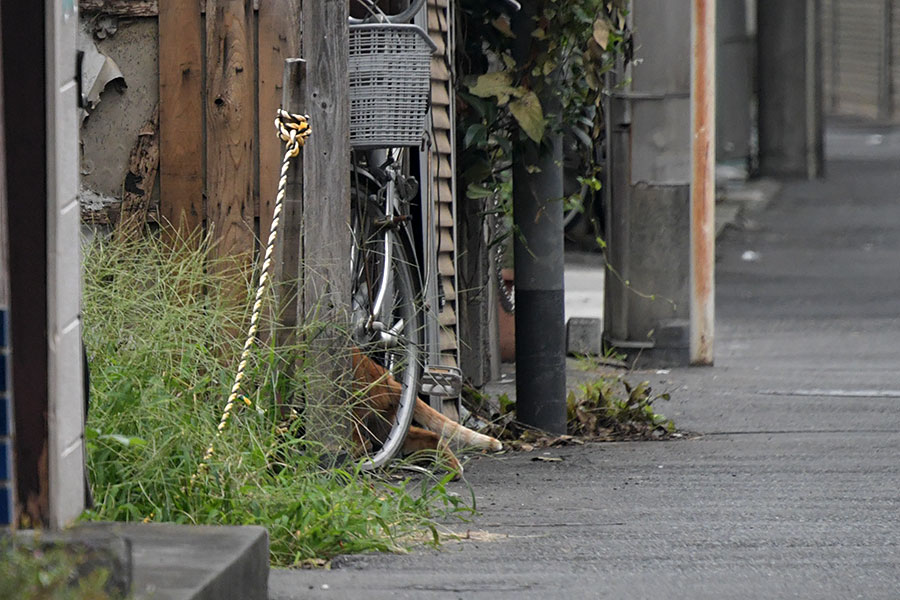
378,16
395,215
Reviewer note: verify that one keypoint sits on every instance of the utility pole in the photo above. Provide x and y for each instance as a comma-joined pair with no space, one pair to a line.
790,89
538,248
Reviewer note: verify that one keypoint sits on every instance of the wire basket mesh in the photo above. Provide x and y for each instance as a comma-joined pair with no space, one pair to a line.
390,85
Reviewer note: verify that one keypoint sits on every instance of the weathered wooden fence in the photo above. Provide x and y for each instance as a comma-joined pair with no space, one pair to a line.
219,159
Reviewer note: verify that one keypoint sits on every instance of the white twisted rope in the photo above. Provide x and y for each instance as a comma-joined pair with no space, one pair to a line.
293,130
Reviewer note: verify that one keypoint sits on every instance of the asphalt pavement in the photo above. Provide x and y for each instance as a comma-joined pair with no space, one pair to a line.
791,487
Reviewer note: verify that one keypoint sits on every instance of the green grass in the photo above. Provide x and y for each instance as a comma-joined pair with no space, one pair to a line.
163,333
50,573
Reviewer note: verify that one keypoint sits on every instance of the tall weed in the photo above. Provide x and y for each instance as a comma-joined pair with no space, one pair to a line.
163,330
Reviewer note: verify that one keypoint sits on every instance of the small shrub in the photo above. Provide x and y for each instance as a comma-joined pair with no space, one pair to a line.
601,405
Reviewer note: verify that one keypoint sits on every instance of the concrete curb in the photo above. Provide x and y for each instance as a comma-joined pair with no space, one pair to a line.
191,562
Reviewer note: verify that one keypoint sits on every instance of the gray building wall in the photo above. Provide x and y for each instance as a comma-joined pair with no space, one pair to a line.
647,289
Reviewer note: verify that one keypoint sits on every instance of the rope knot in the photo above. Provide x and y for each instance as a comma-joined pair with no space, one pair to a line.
293,130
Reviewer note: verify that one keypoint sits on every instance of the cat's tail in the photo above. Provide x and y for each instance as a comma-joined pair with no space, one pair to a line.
450,429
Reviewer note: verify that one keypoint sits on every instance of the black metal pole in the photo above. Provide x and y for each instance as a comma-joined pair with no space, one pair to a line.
538,217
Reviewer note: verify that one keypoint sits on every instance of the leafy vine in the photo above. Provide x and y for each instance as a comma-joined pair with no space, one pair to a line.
573,44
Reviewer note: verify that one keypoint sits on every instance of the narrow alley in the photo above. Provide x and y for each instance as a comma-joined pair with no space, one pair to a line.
789,488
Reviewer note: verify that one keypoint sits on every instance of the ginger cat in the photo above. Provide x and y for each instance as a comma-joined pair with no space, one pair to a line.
384,393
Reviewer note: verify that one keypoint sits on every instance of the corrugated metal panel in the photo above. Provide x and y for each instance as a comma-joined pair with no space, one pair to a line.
439,23
859,41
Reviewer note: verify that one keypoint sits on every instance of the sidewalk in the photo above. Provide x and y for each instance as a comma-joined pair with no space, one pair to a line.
792,488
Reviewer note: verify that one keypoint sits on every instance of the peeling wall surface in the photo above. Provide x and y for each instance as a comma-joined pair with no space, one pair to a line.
111,130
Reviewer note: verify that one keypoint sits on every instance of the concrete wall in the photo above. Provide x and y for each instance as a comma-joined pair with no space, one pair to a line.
735,64
647,293
110,132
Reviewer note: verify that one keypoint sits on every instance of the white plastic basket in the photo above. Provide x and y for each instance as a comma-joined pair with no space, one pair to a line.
390,85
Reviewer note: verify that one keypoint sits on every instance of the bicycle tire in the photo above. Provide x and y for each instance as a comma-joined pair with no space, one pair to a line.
400,354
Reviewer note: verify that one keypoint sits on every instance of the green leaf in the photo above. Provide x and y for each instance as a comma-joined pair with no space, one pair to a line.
497,84
529,114
476,134
124,439
475,192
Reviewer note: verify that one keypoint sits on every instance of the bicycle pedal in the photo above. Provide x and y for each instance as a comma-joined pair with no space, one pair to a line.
441,381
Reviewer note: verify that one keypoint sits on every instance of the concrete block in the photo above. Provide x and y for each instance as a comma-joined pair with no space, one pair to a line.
111,131
671,346
726,214
186,562
584,336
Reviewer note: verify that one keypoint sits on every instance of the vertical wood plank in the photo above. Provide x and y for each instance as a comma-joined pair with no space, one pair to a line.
279,39
287,247
230,117
325,277
181,114
326,172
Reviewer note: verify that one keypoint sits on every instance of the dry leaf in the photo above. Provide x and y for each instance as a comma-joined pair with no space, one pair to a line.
601,32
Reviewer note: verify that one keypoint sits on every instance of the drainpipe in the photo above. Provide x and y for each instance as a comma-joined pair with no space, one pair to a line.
703,180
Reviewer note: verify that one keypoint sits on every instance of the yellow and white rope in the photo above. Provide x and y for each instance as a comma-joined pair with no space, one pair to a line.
293,130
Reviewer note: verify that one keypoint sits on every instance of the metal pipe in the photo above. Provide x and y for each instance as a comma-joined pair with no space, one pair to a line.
703,180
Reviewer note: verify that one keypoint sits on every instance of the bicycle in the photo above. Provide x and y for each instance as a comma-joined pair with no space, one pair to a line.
390,67
390,85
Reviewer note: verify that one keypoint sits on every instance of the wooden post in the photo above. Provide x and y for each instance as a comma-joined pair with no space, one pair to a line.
325,272
326,168
286,272
230,118
25,122
181,114
279,39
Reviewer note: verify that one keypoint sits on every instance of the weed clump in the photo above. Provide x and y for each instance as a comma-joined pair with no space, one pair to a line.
164,329
608,408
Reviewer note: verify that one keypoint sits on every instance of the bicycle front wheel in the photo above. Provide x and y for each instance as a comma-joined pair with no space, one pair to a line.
386,321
